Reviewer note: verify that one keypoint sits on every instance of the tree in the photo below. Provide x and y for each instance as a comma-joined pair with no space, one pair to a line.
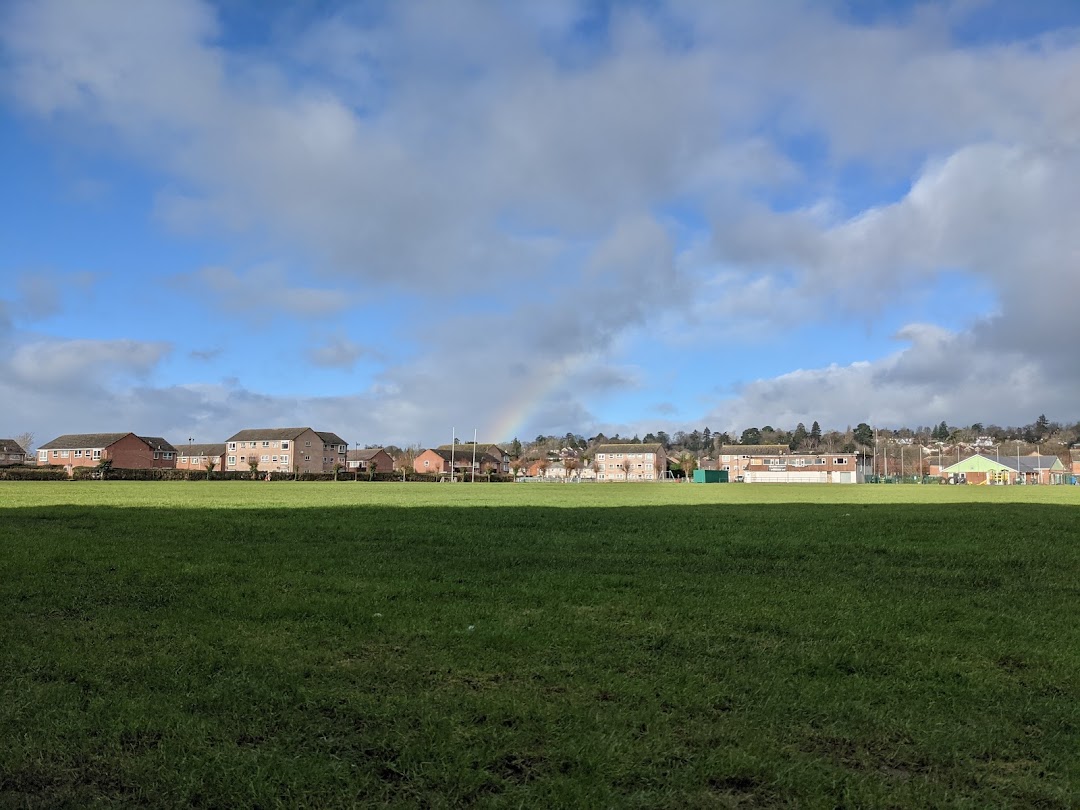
515,448
663,438
253,466
210,464
687,463
26,442
706,440
627,465
799,437
516,463
815,434
750,436
864,434
542,466
571,464
1042,427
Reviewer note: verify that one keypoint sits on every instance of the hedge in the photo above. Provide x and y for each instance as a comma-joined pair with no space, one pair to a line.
33,474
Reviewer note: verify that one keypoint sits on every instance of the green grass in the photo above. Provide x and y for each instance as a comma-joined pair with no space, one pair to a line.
251,644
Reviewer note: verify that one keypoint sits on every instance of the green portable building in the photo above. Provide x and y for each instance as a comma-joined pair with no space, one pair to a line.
710,476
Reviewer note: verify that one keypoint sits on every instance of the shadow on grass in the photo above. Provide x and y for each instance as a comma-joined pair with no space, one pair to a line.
663,656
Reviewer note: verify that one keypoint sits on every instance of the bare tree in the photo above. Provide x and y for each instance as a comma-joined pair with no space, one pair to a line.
210,464
542,466
627,465
571,464
26,442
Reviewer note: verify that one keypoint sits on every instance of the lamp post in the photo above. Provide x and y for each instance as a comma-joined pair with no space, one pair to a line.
356,460
1018,461
901,464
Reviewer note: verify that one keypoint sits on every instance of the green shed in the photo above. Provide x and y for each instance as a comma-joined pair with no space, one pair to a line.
710,476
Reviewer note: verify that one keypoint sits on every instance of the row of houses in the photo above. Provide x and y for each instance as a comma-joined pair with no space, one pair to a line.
306,450
293,450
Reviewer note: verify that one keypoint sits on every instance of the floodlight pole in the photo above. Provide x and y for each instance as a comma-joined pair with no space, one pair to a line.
473,456
453,441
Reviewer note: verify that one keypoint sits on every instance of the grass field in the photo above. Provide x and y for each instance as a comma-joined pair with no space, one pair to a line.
240,644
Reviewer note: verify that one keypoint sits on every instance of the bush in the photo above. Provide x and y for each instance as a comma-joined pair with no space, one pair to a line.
33,474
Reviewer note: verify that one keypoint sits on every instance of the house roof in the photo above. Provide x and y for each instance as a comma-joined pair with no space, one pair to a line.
267,434
202,450
10,446
464,458
481,447
755,450
78,441
629,448
331,438
1026,464
159,444
366,454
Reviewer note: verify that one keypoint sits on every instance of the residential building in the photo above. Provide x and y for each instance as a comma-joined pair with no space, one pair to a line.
368,459
295,450
164,453
11,453
501,457
438,461
124,450
196,456
630,462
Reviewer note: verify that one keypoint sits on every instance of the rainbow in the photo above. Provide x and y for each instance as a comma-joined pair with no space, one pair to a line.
525,400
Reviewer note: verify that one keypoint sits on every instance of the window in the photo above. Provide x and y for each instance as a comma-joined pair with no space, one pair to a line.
184,458
284,445
600,455
232,445
157,455
840,461
264,458
819,461
284,459
43,455
78,454
307,458
426,462
63,454
307,444
272,458
97,454
232,461
169,455
266,444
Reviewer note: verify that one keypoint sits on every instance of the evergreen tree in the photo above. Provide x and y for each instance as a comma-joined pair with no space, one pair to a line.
864,434
750,436
798,438
815,434
706,440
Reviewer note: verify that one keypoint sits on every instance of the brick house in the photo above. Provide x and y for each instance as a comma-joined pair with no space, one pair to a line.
630,462
497,455
368,458
124,450
11,453
164,453
196,456
437,461
300,449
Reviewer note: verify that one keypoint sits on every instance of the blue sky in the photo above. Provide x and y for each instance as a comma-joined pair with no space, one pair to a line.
394,219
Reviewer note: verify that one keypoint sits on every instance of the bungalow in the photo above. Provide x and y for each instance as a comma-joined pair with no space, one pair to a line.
197,456
11,453
124,450
437,461
368,459
297,450
1033,469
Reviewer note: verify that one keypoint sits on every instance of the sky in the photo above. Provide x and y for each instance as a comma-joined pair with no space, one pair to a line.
403,220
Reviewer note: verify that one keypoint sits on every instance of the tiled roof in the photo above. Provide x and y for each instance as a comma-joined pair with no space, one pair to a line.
629,448
330,438
481,447
754,450
10,446
159,444
267,434
202,450
78,441
366,454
